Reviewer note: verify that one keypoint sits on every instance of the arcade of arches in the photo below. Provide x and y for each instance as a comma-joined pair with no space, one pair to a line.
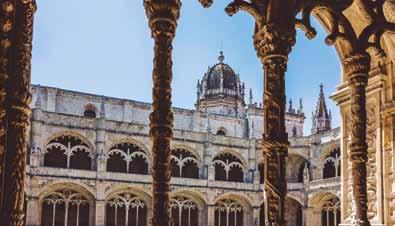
90,160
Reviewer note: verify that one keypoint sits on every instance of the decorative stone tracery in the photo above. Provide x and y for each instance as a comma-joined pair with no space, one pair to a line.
68,152
127,158
65,207
184,164
126,209
228,212
184,211
228,168
330,212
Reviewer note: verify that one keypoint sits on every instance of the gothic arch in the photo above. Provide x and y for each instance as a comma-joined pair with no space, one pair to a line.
130,140
193,195
232,208
73,134
234,153
69,200
80,187
241,198
127,157
316,199
120,189
184,163
69,150
294,212
190,149
327,151
295,168
126,206
228,167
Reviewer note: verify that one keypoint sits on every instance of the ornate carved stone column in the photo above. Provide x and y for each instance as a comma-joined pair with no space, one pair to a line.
356,69
18,113
7,25
162,17
274,37
275,139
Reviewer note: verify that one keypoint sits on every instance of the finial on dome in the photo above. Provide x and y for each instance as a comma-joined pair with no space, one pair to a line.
221,57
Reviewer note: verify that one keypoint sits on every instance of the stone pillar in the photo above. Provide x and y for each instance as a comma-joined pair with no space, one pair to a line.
356,69
100,144
210,215
18,112
275,139
36,154
273,40
211,173
100,213
162,19
33,211
256,213
7,17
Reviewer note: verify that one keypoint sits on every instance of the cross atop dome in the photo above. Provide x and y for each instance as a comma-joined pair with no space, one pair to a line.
221,57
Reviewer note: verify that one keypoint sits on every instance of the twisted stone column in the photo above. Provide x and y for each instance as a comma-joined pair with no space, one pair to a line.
356,69
7,25
18,113
273,46
162,17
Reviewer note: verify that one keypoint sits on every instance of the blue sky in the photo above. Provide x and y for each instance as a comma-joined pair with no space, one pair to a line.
104,47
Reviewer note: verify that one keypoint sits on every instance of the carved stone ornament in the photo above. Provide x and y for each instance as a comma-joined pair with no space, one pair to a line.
18,110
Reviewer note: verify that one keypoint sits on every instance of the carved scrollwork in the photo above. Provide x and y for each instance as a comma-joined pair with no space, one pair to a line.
371,170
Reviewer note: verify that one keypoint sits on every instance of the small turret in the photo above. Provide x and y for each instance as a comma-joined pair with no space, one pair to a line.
321,118
250,100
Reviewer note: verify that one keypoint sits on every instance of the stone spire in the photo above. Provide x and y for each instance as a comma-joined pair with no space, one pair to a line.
321,117
300,110
250,101
290,108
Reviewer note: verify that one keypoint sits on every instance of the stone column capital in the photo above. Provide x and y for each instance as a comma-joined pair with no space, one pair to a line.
272,41
356,67
162,17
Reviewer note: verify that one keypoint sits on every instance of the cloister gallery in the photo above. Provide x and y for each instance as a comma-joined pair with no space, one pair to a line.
73,158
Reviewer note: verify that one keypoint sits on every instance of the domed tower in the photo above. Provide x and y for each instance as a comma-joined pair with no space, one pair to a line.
220,91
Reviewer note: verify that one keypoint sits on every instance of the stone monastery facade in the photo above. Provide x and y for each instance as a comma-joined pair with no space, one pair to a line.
90,160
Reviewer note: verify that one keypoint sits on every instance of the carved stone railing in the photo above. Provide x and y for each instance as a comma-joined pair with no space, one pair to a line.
324,183
135,178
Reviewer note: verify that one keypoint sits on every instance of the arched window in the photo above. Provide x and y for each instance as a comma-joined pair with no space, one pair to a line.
228,168
184,164
228,213
184,212
293,215
68,152
294,131
65,207
295,168
332,164
330,212
127,210
127,158
90,113
221,132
